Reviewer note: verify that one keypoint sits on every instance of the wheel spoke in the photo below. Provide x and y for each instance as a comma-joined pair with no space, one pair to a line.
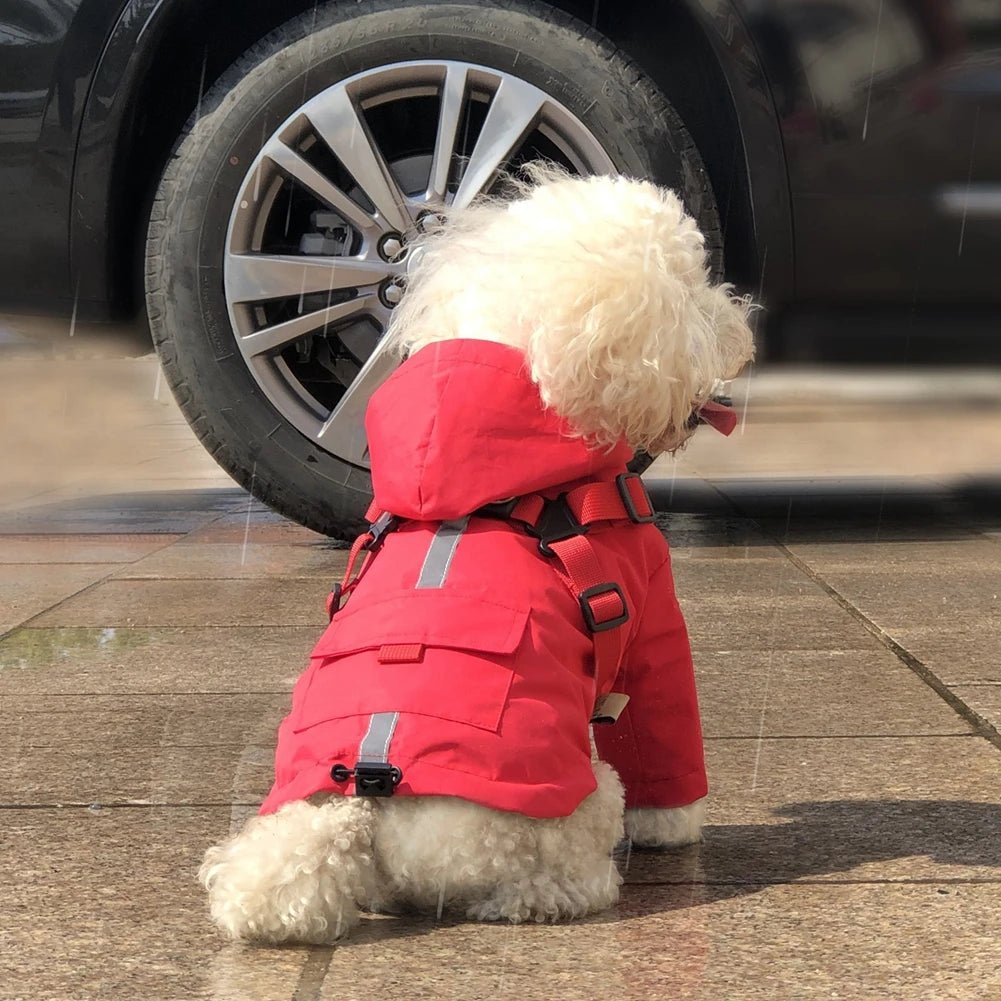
273,338
258,277
453,92
294,166
513,111
343,432
337,121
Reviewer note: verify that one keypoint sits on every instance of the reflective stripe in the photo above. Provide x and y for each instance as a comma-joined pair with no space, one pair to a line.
440,553
375,743
381,726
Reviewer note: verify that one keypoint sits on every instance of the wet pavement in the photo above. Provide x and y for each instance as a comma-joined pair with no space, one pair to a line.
839,562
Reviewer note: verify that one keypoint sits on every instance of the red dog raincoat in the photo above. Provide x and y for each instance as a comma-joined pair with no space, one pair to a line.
463,658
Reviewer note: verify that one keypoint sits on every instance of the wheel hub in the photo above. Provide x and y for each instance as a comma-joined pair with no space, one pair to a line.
335,174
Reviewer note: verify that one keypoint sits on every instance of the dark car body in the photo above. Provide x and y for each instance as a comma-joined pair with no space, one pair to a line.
854,145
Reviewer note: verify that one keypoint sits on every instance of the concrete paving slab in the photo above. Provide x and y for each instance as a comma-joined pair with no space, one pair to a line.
853,841
817,693
145,603
924,594
103,906
319,561
26,589
965,550
151,937
114,660
265,528
773,771
166,774
98,724
957,652
741,578
984,700
127,548
770,621
699,943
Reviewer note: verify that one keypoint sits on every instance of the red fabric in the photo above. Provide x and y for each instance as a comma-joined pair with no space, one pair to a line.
496,711
719,416
401,653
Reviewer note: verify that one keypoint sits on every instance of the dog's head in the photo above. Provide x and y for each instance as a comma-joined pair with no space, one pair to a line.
603,283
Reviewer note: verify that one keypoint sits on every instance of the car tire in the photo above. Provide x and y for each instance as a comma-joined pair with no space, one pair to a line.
186,300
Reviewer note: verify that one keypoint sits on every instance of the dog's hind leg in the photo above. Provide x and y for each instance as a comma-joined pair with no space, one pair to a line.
446,854
298,875
571,872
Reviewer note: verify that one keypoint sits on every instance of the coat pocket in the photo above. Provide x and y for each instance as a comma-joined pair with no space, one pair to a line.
458,668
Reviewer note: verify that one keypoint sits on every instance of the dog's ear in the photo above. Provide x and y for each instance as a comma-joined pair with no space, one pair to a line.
726,315
643,337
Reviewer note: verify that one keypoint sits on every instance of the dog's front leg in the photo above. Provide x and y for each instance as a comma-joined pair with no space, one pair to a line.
656,744
671,827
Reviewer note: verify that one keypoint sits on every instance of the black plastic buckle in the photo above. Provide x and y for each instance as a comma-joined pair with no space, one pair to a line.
622,485
379,528
594,592
372,778
556,523
334,600
498,509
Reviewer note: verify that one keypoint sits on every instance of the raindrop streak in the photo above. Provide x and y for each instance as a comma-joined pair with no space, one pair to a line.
594,13
503,957
879,514
260,166
156,385
747,397
288,211
768,672
441,903
246,527
201,84
76,302
312,43
872,70
764,264
969,178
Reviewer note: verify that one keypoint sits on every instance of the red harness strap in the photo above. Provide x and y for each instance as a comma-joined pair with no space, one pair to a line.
561,525
368,542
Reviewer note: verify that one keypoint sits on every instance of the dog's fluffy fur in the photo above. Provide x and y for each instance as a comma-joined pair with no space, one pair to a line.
608,295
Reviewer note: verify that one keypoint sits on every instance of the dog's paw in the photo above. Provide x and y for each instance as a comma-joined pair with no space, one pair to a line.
666,828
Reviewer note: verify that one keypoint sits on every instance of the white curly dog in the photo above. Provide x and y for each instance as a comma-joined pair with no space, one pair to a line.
617,270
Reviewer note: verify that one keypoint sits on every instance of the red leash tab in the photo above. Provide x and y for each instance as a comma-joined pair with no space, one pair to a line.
718,416
401,653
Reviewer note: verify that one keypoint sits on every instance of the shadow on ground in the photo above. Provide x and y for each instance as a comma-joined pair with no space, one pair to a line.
849,509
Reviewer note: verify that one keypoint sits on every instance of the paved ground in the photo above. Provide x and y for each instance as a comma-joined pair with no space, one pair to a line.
840,567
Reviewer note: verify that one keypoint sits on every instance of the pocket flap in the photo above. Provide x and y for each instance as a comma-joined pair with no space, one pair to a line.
462,673
433,618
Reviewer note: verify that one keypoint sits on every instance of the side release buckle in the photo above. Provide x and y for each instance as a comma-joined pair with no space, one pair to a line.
372,778
556,523
379,528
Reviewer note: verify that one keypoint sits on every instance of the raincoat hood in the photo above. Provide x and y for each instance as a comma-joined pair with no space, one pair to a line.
460,424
